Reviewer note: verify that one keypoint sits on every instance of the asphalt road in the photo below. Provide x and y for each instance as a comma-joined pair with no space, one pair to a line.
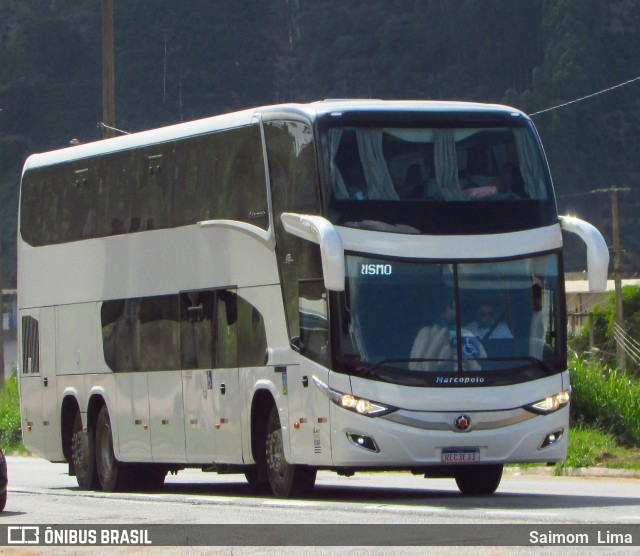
42,493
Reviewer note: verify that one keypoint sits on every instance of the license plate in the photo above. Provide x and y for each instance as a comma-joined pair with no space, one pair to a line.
460,455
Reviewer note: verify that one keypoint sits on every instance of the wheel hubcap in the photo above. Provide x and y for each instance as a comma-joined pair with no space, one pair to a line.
275,454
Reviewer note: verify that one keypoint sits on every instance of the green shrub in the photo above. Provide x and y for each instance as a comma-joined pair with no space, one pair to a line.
586,446
606,399
10,432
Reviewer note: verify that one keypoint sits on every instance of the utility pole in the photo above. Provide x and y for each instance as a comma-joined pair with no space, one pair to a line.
617,268
108,87
1,314
1,318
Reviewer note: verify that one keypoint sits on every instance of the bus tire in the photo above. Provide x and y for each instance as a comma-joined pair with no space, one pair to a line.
111,472
479,480
83,455
285,479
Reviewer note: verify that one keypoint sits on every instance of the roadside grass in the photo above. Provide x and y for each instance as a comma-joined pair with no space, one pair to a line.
589,447
605,417
10,432
605,399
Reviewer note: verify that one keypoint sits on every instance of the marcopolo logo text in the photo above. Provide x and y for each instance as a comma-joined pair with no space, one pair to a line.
460,380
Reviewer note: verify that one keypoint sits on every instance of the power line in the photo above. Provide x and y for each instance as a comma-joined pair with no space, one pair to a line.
587,97
102,125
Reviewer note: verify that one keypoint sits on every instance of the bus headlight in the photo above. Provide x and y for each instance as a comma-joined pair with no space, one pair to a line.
357,405
550,404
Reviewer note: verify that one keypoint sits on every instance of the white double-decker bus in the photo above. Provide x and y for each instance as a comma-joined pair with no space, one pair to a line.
342,285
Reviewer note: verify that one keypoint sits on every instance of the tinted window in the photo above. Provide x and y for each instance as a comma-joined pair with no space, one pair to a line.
30,346
444,178
221,176
294,186
193,330
252,336
216,176
141,334
208,334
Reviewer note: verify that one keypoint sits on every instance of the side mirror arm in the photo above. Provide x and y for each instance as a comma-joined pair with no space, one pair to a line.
319,230
597,251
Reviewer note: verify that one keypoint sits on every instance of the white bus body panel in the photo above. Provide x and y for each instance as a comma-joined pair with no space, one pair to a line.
446,247
166,417
309,424
119,267
405,445
40,412
402,446
77,344
199,418
134,436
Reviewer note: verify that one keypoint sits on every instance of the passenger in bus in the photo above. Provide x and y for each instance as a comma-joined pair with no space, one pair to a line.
507,185
487,325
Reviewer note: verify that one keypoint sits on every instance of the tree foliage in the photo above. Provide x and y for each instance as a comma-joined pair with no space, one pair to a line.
181,60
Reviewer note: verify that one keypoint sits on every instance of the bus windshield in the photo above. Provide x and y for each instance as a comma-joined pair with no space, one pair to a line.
423,323
461,164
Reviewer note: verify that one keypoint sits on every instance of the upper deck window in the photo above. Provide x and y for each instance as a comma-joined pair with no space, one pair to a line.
444,177
435,164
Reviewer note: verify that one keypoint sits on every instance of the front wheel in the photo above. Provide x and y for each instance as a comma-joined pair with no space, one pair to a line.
111,472
285,479
479,480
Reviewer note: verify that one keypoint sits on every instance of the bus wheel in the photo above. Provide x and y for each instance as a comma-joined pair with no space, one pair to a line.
285,479
83,456
480,480
111,472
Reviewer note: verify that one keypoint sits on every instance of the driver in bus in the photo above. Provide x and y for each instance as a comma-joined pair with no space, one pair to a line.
487,326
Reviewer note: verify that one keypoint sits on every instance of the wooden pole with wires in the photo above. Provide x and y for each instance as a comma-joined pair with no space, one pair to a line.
617,269
108,87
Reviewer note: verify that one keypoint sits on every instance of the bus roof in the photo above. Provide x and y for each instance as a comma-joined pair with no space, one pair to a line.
310,111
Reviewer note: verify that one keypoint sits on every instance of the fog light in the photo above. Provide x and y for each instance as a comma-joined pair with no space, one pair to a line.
551,438
363,441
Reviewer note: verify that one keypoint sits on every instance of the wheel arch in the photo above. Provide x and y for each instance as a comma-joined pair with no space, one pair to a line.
261,404
68,410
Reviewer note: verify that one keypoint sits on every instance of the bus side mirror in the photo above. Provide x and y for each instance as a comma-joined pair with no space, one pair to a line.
597,251
319,230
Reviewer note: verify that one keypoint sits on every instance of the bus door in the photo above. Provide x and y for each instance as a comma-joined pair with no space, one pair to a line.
38,383
228,399
208,340
308,407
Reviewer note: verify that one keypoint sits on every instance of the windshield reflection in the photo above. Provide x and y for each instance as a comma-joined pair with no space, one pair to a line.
402,320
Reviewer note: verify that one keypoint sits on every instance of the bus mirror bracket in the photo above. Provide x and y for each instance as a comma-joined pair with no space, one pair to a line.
597,251
319,230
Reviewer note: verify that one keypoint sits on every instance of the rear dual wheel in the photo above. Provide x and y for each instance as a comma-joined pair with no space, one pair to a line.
114,475
83,455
